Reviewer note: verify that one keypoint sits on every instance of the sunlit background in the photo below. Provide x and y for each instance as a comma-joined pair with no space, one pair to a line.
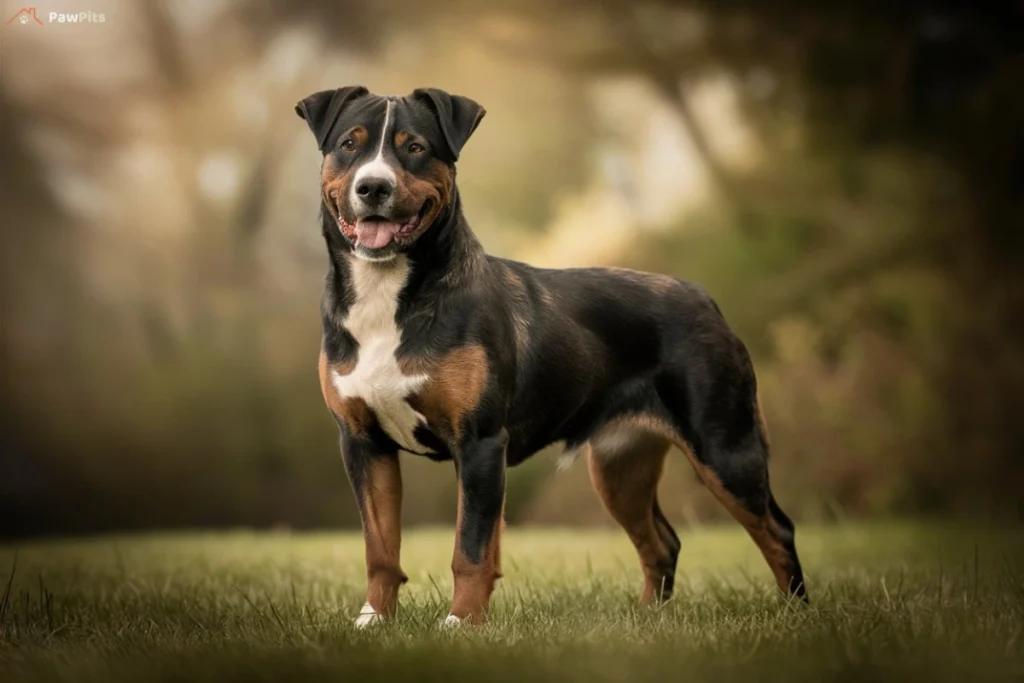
846,178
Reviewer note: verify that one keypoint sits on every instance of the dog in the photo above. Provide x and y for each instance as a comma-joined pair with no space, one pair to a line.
434,348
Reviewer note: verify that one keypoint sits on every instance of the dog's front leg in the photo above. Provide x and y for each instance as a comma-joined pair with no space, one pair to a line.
377,482
476,563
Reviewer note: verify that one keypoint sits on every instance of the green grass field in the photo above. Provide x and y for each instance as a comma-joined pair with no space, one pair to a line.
890,601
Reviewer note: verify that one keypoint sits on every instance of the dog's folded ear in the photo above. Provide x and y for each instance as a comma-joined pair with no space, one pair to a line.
459,116
321,110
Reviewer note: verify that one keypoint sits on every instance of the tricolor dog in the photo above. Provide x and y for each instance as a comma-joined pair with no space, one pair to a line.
432,347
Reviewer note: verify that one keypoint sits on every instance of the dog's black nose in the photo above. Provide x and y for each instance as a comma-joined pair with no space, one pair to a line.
375,190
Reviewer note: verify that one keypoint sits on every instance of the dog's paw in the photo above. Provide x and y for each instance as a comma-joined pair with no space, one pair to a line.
367,617
451,621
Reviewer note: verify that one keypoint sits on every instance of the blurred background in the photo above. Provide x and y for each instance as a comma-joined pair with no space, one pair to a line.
847,178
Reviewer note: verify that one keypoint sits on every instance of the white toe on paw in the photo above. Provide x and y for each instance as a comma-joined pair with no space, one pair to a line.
367,617
451,621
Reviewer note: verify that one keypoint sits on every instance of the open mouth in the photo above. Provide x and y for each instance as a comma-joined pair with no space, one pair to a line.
377,232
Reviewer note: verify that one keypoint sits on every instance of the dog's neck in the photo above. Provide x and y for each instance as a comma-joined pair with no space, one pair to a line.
446,256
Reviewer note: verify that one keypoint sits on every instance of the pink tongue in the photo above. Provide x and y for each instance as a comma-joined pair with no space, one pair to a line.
375,234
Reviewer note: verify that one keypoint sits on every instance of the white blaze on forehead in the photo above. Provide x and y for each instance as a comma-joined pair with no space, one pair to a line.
377,167
376,378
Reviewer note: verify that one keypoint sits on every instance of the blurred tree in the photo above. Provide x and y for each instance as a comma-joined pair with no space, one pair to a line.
875,252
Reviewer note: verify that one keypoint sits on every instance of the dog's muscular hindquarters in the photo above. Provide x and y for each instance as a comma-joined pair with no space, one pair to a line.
434,348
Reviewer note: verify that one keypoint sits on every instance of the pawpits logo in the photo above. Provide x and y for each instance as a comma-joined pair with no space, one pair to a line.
25,16
77,18
28,16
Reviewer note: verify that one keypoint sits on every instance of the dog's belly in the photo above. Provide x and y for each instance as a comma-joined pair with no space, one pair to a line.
378,380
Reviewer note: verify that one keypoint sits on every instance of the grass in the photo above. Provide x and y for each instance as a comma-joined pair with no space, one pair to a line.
898,601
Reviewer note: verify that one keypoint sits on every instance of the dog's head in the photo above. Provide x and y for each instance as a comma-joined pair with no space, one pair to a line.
389,162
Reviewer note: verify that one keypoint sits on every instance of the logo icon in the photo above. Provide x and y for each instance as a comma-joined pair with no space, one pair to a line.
25,15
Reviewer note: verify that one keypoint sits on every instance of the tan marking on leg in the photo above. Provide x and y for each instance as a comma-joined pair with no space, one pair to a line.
625,476
762,528
354,412
382,531
474,583
456,384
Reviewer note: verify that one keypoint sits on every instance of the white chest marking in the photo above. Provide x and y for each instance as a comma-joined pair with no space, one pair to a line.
376,378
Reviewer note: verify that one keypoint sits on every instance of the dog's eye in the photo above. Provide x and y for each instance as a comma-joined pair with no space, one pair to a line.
348,144
416,148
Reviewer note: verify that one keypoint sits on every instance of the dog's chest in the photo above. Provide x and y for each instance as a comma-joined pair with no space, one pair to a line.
376,377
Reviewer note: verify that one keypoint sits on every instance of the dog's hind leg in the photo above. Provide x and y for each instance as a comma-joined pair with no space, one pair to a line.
625,465
735,470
